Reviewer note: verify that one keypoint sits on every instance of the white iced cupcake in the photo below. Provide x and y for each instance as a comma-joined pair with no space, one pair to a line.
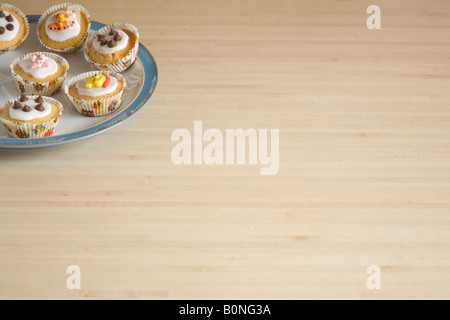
40,73
64,27
114,47
96,93
31,116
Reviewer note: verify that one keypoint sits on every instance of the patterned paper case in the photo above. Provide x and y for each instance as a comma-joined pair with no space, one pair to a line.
47,88
95,106
32,128
122,63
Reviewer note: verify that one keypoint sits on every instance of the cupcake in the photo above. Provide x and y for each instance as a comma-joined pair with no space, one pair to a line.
31,116
40,73
95,93
114,47
64,27
14,27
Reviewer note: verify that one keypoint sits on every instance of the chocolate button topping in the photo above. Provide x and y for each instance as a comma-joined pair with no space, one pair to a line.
39,107
23,98
103,42
17,105
100,37
10,27
2,14
112,43
117,37
2,30
26,109
112,32
39,99
9,18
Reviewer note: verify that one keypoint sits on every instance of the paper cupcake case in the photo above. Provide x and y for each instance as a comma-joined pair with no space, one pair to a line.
24,130
56,8
118,65
40,88
96,107
27,25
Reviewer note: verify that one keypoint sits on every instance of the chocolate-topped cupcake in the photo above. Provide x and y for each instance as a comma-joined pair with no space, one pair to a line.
31,116
114,47
14,27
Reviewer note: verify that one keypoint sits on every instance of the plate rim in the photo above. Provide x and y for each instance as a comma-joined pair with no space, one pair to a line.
149,86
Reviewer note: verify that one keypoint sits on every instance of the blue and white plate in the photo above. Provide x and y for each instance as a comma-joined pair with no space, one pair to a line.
141,78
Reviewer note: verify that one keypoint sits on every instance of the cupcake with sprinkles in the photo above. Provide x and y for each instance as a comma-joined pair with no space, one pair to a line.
64,27
14,27
113,47
96,93
40,73
32,116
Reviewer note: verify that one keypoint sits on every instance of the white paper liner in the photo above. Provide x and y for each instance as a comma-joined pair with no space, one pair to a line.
23,130
56,8
95,107
41,88
118,65
24,17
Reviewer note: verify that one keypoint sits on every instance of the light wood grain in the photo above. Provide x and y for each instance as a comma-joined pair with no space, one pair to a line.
364,162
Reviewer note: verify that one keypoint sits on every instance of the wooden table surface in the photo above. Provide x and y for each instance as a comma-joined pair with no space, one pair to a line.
364,161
